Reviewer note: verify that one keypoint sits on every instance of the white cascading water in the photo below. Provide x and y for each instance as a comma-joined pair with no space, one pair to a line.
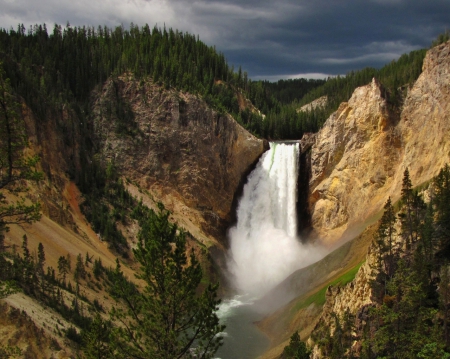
264,248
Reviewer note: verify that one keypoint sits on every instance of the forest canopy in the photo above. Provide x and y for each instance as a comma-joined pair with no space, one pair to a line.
62,66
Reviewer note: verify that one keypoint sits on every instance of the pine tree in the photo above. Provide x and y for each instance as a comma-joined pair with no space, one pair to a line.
40,267
442,202
444,301
168,317
412,212
296,349
14,166
27,265
98,268
9,352
387,249
405,323
80,270
96,340
63,268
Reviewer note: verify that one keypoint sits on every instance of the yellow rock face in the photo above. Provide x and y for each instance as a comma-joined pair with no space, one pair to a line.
360,154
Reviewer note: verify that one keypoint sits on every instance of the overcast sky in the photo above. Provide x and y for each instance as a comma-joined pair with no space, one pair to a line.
270,39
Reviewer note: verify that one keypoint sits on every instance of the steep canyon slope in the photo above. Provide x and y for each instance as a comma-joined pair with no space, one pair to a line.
188,156
173,148
357,161
170,146
359,156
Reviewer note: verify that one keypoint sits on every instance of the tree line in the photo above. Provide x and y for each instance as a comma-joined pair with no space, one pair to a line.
62,67
171,314
284,121
410,314
168,317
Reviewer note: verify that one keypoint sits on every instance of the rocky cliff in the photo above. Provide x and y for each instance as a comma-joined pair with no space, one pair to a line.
320,102
172,144
353,299
357,160
361,152
419,142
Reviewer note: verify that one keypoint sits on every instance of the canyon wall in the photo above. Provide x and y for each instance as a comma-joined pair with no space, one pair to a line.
360,154
420,141
172,144
356,161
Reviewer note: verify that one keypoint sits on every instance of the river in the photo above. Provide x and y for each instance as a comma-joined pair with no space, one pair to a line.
242,339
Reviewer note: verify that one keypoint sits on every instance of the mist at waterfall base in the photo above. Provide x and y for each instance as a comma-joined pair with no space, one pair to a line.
264,247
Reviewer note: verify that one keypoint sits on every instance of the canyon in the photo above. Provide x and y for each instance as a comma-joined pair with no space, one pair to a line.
175,149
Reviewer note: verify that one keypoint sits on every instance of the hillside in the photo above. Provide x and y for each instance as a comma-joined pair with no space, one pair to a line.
173,149
363,149
124,122
358,161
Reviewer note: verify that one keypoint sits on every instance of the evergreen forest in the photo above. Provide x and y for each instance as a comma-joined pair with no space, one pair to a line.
54,68
409,317
172,313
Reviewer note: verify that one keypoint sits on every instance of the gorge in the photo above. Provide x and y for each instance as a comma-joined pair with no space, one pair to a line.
264,246
131,141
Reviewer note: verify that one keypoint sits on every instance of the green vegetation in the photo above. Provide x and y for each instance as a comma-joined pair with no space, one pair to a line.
444,37
57,70
172,316
107,202
167,319
288,91
348,276
24,272
296,349
280,101
10,352
14,166
411,286
318,298
283,121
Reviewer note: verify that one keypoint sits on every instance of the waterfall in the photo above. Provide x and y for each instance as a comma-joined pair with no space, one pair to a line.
264,247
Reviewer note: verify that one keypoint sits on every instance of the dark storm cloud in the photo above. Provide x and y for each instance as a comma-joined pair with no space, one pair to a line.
281,39
336,37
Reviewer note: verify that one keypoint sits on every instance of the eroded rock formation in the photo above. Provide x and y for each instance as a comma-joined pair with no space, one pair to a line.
320,102
360,154
421,138
174,145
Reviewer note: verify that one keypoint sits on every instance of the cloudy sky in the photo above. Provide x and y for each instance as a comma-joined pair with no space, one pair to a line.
270,39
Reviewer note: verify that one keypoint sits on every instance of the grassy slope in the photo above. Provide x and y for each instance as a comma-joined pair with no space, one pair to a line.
58,240
318,298
302,312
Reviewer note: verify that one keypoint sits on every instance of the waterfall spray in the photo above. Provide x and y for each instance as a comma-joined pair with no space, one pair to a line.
264,248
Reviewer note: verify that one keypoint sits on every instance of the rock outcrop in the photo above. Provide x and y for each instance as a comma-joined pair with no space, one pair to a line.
424,126
169,146
188,156
354,299
361,152
317,103
419,141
